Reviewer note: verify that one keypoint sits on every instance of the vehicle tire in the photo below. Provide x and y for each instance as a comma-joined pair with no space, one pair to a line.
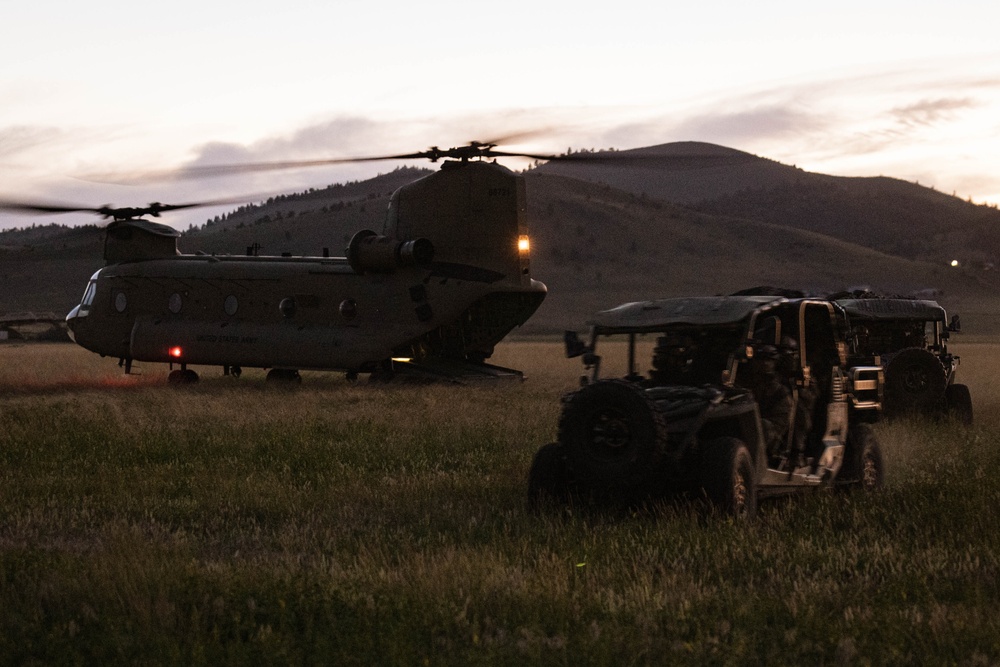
609,431
548,478
915,381
958,400
863,467
729,478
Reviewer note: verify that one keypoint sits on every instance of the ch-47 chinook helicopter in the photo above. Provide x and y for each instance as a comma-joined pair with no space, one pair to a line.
445,281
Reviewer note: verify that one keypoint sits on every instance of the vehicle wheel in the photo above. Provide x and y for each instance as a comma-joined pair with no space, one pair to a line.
958,400
914,381
864,467
609,431
729,478
548,478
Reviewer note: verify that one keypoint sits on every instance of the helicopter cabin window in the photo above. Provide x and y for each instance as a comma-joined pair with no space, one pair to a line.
231,305
174,303
121,302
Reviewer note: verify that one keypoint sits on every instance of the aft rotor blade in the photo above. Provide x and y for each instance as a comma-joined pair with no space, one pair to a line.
516,136
250,167
212,170
493,153
659,161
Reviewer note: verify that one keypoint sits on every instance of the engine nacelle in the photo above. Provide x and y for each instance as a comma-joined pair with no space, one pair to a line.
369,252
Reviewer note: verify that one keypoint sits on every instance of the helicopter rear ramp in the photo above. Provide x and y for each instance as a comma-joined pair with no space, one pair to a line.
446,370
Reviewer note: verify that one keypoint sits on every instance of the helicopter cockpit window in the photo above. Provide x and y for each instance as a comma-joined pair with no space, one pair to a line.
88,294
174,303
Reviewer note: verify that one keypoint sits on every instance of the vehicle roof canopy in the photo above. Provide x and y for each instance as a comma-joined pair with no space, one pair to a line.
642,316
893,309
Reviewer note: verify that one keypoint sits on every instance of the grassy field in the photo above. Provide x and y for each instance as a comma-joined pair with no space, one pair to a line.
232,522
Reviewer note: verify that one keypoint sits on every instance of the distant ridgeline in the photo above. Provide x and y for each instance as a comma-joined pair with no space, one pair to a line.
333,198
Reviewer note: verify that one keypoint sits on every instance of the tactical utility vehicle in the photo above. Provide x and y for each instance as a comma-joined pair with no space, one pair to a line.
909,338
725,399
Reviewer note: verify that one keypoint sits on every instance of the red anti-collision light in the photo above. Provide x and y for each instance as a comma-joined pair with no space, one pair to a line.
176,352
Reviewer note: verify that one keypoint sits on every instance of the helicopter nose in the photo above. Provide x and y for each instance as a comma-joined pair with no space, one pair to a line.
71,320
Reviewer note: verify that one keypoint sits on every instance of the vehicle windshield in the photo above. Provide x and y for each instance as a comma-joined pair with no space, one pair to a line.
681,355
885,337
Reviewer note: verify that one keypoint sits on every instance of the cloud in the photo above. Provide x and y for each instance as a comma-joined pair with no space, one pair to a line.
18,139
931,112
273,161
338,137
751,125
746,124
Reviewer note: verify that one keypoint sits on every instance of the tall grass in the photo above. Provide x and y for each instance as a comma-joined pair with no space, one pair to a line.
355,524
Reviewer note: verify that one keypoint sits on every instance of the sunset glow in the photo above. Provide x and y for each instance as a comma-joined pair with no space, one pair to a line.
864,90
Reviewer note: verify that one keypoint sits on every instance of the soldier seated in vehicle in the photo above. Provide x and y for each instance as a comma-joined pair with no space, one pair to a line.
774,400
673,358
803,395
912,336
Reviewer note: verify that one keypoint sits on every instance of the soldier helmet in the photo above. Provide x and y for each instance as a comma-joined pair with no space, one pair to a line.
766,353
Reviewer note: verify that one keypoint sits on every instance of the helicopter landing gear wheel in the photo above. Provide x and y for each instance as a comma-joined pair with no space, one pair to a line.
284,376
184,376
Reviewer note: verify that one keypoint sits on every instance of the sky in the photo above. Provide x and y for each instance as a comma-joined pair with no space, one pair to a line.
90,91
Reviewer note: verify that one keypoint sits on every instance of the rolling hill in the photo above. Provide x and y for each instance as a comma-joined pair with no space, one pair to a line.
595,246
677,219
886,214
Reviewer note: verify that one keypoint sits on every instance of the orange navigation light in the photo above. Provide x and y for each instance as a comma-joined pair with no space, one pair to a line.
523,245
176,352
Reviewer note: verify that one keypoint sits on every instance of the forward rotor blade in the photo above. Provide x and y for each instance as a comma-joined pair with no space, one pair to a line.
108,211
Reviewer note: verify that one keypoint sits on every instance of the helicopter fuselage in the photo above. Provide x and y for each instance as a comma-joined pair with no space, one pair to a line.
300,313
451,292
